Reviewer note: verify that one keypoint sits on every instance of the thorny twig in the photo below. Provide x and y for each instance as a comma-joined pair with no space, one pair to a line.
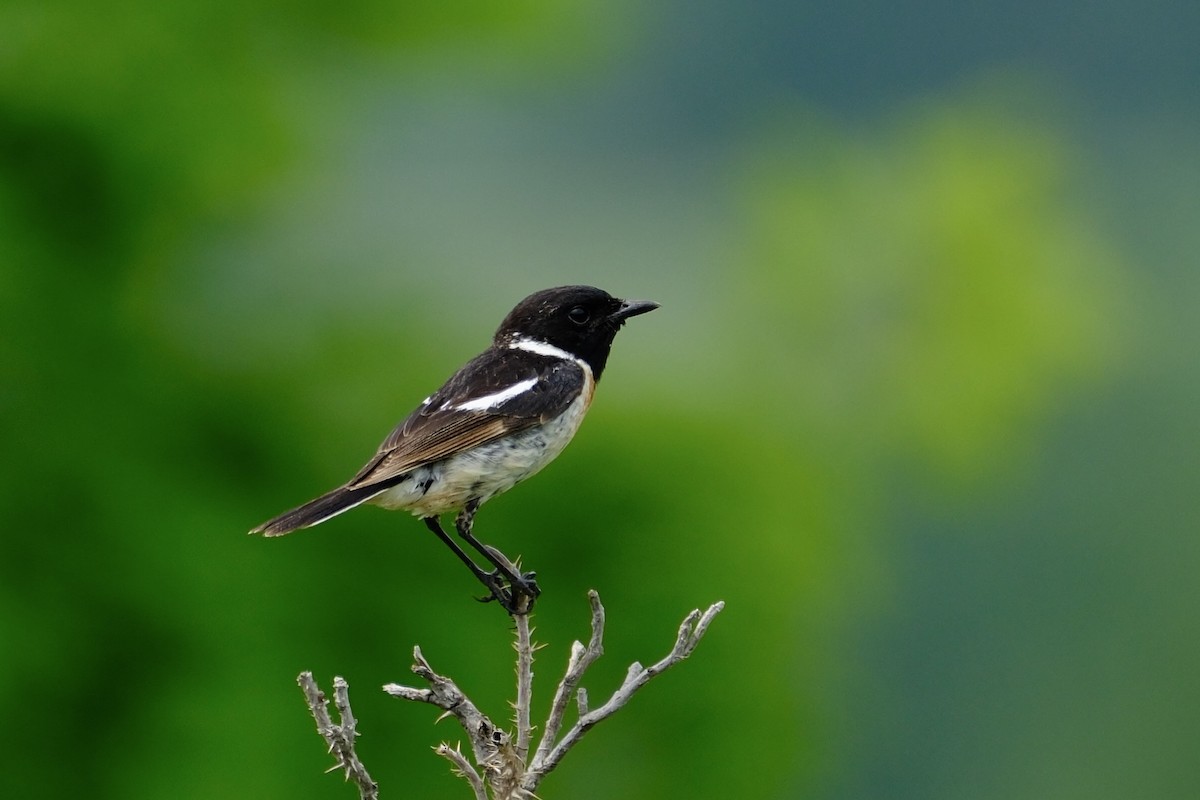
693,628
524,647
503,765
505,770
339,737
463,768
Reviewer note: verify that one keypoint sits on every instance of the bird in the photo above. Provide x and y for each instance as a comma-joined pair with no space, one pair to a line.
498,420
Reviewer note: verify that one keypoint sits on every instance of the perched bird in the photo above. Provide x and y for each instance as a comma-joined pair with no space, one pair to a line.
502,417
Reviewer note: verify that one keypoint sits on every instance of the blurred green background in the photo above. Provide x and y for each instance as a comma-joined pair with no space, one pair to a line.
920,404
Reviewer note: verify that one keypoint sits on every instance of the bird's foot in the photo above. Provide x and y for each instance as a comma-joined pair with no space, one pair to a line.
514,594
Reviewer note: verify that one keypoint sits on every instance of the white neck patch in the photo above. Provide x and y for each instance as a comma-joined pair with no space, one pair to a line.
547,349
544,349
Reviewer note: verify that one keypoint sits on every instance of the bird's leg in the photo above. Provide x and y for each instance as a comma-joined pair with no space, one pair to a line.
491,580
523,585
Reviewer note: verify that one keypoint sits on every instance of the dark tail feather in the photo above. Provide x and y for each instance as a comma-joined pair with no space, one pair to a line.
314,512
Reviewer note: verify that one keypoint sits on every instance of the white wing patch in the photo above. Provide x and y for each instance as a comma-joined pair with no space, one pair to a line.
493,400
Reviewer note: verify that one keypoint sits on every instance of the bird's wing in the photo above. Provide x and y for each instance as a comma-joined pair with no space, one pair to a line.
494,395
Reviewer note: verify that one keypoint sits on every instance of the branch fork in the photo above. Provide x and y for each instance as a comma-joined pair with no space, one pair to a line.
340,737
503,768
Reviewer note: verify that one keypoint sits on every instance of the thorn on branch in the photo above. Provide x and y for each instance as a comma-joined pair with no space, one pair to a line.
502,766
340,737
462,768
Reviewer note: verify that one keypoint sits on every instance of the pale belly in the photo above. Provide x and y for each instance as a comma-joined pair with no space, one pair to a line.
485,471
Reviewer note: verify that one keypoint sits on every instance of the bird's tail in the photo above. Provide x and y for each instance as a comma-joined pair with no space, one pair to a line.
314,512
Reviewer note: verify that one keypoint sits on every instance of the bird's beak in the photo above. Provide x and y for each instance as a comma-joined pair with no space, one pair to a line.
631,308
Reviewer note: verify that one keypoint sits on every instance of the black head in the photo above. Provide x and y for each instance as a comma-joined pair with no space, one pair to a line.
582,320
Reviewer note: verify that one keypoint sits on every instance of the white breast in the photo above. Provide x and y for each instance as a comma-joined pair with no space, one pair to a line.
487,470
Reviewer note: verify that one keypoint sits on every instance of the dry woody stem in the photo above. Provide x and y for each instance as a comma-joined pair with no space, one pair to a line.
500,766
339,737
503,762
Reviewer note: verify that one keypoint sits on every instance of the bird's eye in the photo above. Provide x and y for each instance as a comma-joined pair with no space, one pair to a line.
579,315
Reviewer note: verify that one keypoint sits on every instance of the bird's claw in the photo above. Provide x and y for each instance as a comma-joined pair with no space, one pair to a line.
514,596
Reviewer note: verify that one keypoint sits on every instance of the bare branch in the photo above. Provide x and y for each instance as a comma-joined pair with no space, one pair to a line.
492,746
694,626
339,737
524,648
502,765
445,694
463,769
581,658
